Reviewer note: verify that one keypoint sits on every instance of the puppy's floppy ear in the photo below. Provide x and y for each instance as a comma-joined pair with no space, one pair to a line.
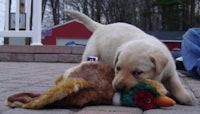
159,59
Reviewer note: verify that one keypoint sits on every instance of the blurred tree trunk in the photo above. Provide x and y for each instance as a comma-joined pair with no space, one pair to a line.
44,3
192,12
55,5
120,11
188,13
169,13
146,14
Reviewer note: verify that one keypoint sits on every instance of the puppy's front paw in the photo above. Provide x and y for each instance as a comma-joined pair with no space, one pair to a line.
188,98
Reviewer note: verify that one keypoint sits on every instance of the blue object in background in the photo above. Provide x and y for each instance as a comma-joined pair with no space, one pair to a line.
73,43
191,51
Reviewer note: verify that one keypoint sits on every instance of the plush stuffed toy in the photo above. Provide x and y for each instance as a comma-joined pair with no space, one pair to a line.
146,94
90,83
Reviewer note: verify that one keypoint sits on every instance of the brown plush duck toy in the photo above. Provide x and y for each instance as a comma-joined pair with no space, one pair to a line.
90,83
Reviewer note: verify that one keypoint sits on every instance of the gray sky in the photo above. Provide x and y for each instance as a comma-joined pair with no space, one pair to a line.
2,10
47,18
2,13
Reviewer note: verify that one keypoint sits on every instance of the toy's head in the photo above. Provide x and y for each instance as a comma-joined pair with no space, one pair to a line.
146,94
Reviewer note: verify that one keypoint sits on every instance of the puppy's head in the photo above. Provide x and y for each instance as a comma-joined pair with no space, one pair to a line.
136,62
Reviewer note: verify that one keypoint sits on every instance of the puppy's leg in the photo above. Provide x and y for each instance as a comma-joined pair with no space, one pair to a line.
179,92
90,50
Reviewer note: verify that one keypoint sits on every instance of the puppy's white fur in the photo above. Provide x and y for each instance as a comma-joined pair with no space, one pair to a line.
134,55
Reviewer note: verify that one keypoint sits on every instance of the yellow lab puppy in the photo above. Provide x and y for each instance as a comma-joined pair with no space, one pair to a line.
134,55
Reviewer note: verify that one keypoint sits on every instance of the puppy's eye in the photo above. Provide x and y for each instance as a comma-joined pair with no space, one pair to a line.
136,73
118,68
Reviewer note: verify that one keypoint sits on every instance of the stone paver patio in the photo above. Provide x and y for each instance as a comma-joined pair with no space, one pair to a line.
18,77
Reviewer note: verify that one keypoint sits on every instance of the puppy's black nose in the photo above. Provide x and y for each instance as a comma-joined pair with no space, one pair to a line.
119,88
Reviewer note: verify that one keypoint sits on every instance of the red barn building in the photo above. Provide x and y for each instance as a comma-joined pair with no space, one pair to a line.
77,32
61,34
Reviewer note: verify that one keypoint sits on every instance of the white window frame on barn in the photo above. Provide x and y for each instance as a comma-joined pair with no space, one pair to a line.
31,29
